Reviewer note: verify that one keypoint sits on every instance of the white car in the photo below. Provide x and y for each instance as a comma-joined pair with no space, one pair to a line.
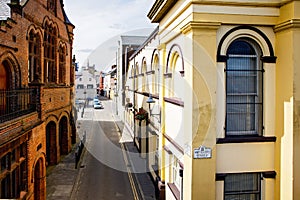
98,105
96,100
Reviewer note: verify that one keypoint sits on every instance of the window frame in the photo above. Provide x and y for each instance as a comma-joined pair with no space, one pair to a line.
258,104
50,68
245,192
62,64
34,57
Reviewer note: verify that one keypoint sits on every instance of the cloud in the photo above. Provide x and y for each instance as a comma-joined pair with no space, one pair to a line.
96,21
117,26
85,50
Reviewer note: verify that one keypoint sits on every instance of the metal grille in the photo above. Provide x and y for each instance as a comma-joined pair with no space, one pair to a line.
15,103
242,186
244,82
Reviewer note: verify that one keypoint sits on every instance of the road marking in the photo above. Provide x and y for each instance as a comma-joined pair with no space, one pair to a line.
134,190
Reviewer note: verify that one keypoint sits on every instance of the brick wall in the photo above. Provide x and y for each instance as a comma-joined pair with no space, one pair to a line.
55,99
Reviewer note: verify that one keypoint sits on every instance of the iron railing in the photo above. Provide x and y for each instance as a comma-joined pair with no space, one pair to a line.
16,103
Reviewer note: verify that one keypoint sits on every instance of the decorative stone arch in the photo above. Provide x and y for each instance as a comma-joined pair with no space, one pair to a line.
10,66
37,30
48,21
174,72
63,44
39,177
245,31
174,52
144,65
154,56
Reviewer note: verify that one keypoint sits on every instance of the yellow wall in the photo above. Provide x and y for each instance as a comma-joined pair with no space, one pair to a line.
285,67
197,26
204,87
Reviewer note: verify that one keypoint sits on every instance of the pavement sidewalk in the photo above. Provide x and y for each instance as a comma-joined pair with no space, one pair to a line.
142,179
61,178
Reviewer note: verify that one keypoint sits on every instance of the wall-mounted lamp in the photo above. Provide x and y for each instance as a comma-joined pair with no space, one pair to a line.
150,100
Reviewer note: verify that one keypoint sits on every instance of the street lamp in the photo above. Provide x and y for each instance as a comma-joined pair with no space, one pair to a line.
150,100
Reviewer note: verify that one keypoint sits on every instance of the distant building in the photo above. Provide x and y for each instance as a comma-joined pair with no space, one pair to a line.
127,46
86,83
36,94
110,82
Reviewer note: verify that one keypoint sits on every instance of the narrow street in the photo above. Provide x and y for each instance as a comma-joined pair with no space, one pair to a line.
103,169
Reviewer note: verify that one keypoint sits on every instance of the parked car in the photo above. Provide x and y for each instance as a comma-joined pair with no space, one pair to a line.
98,105
96,100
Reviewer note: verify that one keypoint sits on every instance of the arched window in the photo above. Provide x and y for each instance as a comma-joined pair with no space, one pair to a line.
34,60
143,73
132,77
174,73
177,84
62,64
155,76
50,54
5,75
244,89
136,87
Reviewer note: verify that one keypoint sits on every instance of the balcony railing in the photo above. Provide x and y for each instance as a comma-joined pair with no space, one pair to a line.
15,103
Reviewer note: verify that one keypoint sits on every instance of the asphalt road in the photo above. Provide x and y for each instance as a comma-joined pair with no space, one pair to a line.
104,169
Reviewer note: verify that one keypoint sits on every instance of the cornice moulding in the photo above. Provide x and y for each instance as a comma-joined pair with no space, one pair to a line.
193,25
274,3
293,23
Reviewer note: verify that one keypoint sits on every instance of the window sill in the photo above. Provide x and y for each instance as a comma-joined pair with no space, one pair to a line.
246,139
174,101
174,190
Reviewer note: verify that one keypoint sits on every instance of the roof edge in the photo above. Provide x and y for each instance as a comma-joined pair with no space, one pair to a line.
159,9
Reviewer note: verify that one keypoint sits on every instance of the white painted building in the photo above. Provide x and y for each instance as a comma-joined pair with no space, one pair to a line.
85,85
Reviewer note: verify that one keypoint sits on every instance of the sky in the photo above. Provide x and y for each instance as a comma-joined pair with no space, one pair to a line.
98,23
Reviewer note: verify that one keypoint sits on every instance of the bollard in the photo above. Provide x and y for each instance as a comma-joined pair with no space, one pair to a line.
76,158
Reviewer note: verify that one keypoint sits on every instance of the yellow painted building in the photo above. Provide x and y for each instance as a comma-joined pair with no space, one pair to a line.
225,121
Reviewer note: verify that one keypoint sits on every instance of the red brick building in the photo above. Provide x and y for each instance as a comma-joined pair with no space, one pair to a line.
36,94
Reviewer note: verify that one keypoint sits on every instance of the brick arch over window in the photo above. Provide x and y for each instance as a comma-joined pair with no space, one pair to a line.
175,47
10,64
39,177
271,58
37,30
49,22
